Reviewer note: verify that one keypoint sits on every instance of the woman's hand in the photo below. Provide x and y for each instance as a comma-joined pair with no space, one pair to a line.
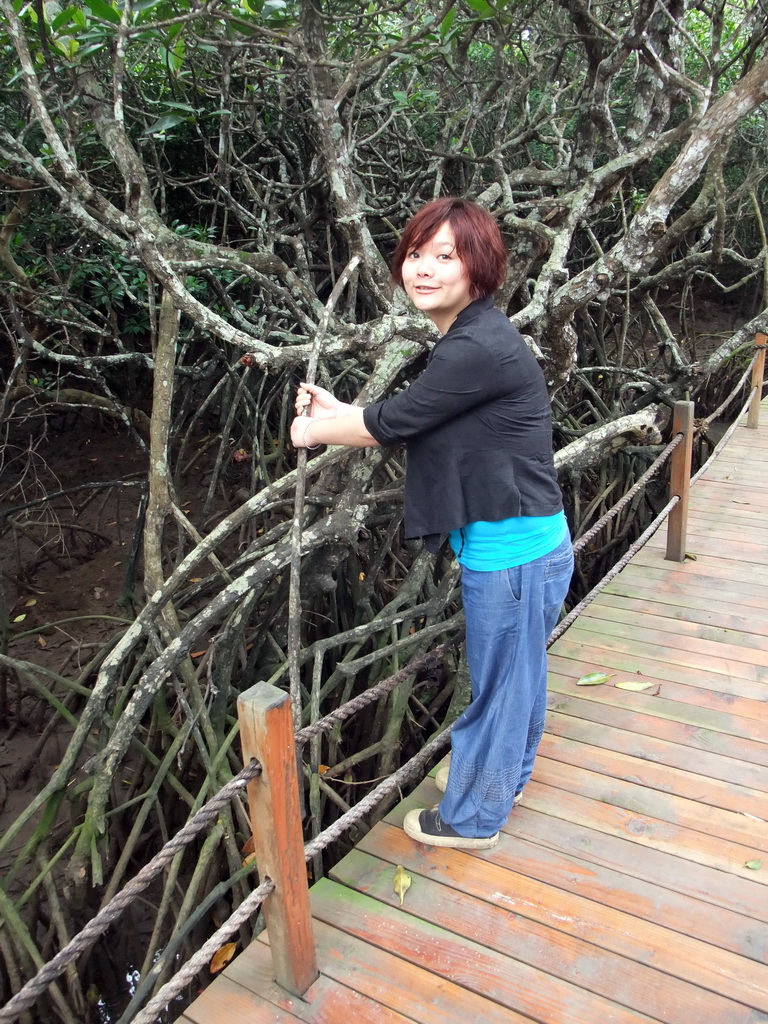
319,403
329,421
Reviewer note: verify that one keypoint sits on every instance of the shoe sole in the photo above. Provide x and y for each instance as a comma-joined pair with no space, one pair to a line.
441,781
413,829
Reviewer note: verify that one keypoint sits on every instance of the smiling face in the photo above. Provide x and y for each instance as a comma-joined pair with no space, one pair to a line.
436,280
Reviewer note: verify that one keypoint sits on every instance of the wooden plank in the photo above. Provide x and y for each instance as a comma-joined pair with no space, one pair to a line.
738,520
703,599
226,1002
697,736
729,782
689,576
736,479
673,616
579,644
718,823
651,776
690,640
743,558
326,1001
661,707
402,985
572,660
596,883
707,523
748,635
681,681
510,983
646,942
645,830
715,564
536,821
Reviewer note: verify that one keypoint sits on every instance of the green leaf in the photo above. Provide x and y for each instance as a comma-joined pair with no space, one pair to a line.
447,23
754,865
62,18
86,51
162,124
633,684
67,46
482,8
594,679
101,9
274,9
179,106
175,56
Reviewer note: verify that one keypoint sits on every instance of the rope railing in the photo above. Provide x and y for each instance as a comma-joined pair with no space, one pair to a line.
37,985
737,388
107,916
726,437
641,541
355,704
200,959
652,470
661,459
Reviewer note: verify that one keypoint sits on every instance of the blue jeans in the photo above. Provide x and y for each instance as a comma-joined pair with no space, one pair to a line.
510,614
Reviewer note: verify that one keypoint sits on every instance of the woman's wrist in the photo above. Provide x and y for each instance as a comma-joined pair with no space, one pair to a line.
304,428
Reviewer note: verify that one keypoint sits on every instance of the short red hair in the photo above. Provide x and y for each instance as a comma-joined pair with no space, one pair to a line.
479,244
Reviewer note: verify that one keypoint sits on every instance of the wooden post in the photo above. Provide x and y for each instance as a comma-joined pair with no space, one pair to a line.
758,372
266,731
680,481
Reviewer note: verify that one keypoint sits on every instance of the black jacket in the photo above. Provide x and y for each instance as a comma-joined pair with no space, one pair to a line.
477,429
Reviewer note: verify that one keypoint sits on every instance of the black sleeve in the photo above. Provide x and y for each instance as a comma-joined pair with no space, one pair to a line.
461,374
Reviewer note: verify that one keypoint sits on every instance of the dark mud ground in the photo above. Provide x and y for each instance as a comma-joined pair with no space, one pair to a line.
65,576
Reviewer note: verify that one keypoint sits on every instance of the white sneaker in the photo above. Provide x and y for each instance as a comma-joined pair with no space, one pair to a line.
428,827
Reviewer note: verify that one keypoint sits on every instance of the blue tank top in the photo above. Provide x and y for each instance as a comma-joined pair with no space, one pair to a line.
501,545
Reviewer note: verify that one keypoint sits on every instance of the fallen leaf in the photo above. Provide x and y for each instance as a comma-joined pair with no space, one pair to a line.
195,579
42,641
361,576
20,618
690,555
32,601
248,846
322,769
633,684
197,654
594,679
222,957
401,882
754,865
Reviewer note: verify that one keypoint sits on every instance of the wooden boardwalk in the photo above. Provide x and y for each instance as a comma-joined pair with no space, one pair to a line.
620,890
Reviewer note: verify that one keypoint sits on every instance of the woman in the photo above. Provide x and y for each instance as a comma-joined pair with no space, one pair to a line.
478,436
